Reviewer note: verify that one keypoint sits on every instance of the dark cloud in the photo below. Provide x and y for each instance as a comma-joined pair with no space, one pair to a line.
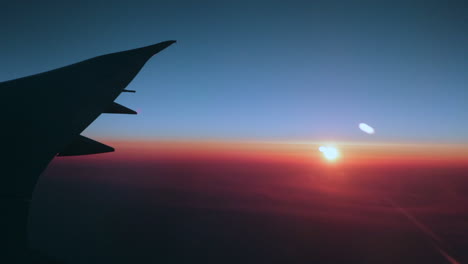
252,210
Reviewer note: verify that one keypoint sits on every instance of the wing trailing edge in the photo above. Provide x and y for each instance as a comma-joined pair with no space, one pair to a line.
85,146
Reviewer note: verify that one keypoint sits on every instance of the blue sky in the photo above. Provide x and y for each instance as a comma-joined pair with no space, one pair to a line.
249,70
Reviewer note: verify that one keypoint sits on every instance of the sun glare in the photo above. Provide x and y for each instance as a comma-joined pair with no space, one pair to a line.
330,153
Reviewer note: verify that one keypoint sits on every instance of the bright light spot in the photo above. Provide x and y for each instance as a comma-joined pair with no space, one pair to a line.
366,128
330,153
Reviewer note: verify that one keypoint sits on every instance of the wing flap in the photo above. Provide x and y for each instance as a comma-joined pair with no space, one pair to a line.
116,108
85,146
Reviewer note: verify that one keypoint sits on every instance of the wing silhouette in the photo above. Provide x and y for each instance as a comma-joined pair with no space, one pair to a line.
43,116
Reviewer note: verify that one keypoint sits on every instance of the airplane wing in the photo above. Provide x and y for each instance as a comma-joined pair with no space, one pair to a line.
43,116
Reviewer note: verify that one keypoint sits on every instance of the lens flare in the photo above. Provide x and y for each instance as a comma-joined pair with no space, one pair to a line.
366,128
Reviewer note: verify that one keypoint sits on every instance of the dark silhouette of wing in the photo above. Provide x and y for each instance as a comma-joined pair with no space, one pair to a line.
43,116
84,146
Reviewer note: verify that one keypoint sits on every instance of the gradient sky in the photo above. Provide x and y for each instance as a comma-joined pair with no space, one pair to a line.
249,70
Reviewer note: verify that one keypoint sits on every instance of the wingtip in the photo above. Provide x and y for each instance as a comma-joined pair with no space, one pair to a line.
155,48
166,44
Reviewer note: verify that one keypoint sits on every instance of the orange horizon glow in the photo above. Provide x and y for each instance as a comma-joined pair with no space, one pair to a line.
351,153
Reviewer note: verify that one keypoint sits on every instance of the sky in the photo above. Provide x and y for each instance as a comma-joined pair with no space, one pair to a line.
231,117
286,70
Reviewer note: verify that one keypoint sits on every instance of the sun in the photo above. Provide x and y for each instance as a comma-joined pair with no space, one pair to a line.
330,153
